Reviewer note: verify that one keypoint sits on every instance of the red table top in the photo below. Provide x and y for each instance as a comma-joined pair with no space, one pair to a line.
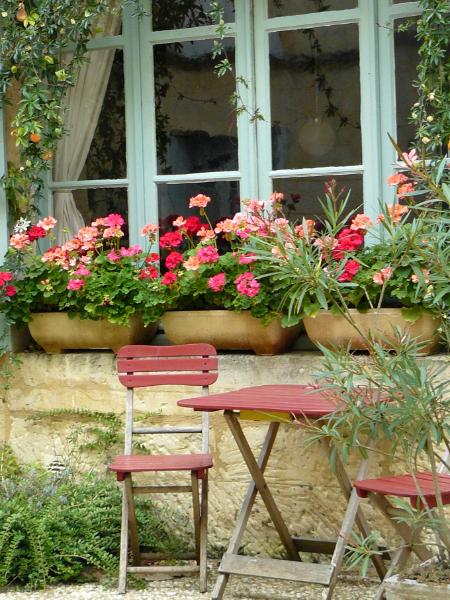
300,400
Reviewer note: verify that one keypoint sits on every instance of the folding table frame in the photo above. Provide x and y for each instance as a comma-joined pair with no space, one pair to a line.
299,401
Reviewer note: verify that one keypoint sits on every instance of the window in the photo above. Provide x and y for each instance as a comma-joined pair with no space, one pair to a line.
330,79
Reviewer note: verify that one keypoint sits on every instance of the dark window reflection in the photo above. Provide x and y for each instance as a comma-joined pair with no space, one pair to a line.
406,59
173,201
301,195
107,154
195,123
180,14
282,8
315,97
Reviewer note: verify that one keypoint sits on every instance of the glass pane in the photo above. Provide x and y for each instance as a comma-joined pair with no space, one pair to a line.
283,8
195,124
406,59
315,97
106,159
301,195
181,14
173,201
93,204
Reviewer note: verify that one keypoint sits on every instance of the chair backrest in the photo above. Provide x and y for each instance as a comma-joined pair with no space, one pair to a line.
147,366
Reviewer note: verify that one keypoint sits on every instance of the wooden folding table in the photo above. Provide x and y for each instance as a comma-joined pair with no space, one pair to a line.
289,402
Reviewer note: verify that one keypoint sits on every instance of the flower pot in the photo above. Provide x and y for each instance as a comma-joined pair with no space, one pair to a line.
334,330
228,330
405,589
55,332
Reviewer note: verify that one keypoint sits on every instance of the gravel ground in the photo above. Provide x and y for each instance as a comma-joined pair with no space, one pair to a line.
185,588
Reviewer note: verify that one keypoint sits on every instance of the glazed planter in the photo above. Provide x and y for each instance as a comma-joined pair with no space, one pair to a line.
406,589
228,330
55,332
333,330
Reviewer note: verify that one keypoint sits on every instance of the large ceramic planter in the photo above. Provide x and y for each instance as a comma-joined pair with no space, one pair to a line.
407,589
55,332
334,330
228,330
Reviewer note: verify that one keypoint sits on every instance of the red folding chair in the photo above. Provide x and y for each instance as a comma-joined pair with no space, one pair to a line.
146,366
403,486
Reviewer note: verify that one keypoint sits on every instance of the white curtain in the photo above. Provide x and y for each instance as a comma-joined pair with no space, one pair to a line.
82,107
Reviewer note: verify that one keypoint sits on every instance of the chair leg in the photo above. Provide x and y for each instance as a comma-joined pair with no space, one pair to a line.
399,559
132,522
204,535
123,544
196,513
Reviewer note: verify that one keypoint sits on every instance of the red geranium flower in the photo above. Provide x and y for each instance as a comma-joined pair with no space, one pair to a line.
172,239
351,267
173,260
36,232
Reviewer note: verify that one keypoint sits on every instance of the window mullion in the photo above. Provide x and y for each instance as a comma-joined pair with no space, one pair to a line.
262,75
245,68
370,106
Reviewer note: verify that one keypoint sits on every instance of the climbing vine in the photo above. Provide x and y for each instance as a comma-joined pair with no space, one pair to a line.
431,113
43,43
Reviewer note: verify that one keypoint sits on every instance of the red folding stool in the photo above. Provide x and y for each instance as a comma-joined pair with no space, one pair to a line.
146,366
404,486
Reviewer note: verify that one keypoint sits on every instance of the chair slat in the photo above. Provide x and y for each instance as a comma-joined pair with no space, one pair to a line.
133,381
142,365
157,351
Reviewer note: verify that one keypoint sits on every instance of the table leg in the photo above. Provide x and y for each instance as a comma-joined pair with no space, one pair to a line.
353,514
244,514
261,485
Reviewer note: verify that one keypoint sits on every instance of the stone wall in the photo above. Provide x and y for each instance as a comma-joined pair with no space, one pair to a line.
299,476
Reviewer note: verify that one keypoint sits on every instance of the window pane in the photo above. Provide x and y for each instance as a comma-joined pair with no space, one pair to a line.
282,8
101,87
173,200
180,14
195,123
406,59
301,195
315,97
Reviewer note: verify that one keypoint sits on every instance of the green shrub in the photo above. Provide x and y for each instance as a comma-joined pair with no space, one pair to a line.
52,527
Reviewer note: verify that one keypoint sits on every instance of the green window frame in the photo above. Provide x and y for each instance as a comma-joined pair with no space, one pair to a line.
251,29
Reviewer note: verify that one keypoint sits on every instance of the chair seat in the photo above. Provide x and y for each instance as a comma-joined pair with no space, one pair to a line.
161,462
404,486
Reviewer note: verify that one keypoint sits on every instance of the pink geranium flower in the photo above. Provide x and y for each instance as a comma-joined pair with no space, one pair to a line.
168,278
112,232
82,271
382,275
192,264
351,267
361,223
47,223
199,201
114,220
247,285
179,222
276,197
173,260
425,273
395,212
310,228
216,283
131,251
75,284
246,259
208,255
149,229
18,241
113,256
205,234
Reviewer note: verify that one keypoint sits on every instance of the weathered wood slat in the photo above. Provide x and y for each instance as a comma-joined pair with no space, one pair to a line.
134,381
306,543
143,365
161,489
157,556
178,350
162,430
174,570
276,569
